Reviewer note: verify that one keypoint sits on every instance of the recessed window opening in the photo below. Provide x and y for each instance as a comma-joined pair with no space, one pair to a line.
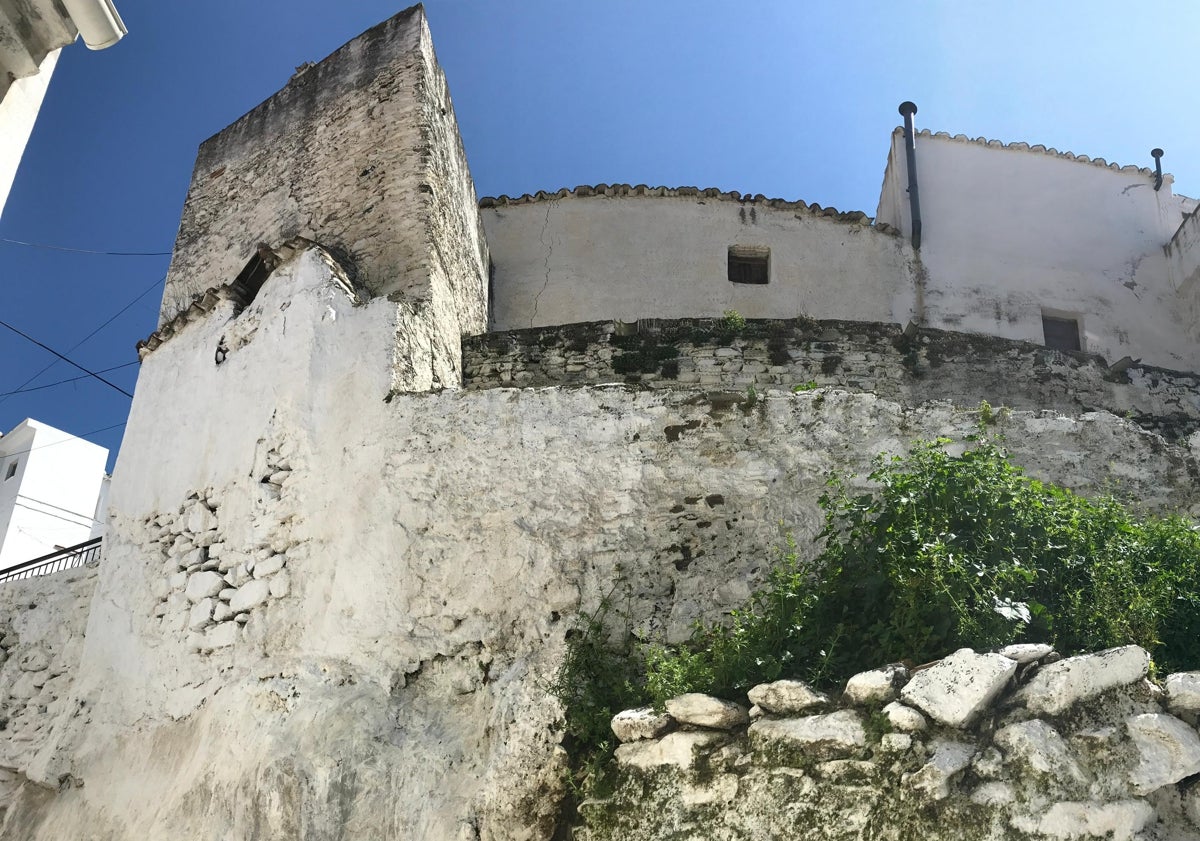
1062,332
12,470
749,264
251,279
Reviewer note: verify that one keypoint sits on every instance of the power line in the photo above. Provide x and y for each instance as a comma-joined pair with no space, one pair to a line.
86,250
65,440
110,320
64,382
27,337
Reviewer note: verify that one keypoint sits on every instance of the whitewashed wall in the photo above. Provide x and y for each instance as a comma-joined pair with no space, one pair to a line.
1010,231
19,107
1183,256
51,499
562,260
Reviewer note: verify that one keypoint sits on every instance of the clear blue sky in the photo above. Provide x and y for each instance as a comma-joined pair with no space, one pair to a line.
791,99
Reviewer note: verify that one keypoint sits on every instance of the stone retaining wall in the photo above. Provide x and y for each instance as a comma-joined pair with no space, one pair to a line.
801,354
1018,744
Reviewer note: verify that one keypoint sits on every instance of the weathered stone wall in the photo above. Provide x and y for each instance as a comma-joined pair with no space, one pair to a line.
861,356
1013,745
1183,257
360,153
42,622
435,548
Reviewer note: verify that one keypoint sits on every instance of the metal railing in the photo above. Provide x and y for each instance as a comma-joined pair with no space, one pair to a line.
68,558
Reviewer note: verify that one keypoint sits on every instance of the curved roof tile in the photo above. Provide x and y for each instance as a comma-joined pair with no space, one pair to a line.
622,190
1037,149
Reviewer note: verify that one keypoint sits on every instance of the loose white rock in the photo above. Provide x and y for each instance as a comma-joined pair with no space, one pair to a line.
34,660
221,636
221,612
904,718
877,686
200,519
826,735
280,584
1039,746
933,779
894,743
1059,686
993,794
954,691
203,585
677,749
704,711
784,697
1026,652
249,595
1183,692
1119,821
267,567
642,723
1168,750
200,615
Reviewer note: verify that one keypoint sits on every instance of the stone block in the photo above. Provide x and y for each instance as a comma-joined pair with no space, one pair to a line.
638,724
1183,692
1059,686
824,736
675,749
784,697
1168,750
706,711
200,615
934,778
956,690
203,585
877,686
250,595
268,567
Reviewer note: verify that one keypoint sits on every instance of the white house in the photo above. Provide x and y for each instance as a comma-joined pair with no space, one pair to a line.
31,36
51,487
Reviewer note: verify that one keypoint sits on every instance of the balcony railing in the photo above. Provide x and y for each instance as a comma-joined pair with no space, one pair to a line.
72,556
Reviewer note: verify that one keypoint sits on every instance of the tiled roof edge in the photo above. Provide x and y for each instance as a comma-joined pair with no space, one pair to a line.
206,301
621,190
1037,149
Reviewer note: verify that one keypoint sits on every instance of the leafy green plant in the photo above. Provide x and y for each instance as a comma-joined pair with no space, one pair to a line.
734,322
953,551
948,551
808,386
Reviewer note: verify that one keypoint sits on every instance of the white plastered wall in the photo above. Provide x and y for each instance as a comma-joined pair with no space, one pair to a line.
18,112
576,259
1010,233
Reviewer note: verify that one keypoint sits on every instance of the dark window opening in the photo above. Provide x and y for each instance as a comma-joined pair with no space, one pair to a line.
749,264
1061,333
12,471
251,279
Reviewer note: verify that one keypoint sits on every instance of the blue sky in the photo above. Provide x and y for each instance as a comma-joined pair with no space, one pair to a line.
791,99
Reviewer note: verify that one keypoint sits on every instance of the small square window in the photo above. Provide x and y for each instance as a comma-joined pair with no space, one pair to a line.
749,264
1061,333
12,471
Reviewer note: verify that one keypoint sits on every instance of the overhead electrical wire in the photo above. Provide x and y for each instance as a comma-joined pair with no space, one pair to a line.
64,382
49,349
85,250
4,396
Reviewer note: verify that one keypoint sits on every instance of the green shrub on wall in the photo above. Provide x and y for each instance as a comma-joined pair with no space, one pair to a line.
949,551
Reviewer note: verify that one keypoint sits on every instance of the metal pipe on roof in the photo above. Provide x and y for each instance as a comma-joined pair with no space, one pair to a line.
1157,155
98,22
907,109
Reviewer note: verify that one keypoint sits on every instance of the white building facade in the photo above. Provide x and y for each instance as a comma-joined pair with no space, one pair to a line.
32,34
51,487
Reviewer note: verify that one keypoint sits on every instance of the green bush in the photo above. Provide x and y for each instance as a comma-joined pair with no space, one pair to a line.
953,551
948,551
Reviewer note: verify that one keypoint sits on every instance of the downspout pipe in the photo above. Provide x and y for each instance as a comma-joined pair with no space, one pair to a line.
907,109
1157,155
98,22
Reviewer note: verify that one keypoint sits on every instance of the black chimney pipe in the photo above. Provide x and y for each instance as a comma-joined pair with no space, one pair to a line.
907,109
1157,154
